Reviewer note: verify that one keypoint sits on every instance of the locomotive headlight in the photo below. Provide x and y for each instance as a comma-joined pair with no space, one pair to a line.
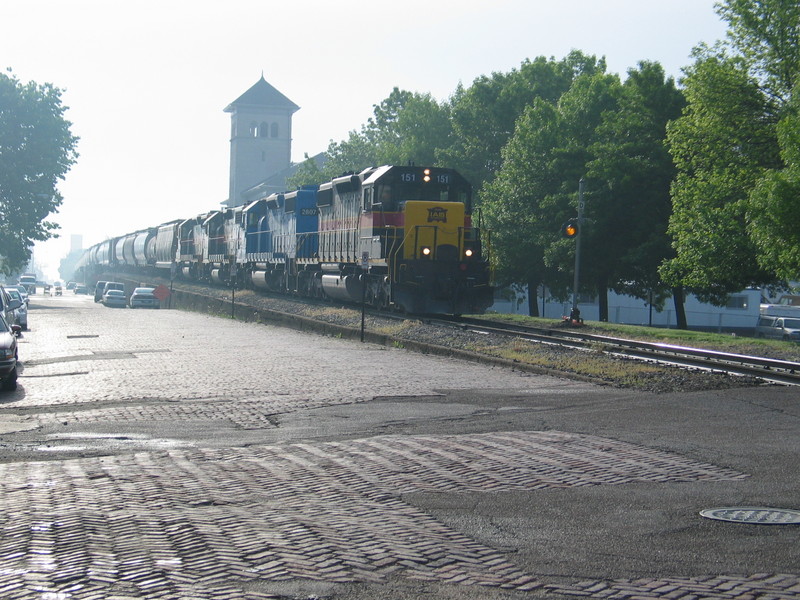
426,175
426,251
468,252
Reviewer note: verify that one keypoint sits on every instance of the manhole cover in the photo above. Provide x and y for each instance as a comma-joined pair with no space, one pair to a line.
753,514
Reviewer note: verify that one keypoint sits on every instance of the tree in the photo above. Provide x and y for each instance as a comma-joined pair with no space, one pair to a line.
308,173
774,212
517,203
721,146
405,127
37,149
535,190
484,115
349,156
418,128
734,197
633,161
766,33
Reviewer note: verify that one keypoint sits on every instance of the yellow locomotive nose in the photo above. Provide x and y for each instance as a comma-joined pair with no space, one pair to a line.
431,226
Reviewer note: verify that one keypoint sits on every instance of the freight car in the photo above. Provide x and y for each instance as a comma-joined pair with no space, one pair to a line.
399,238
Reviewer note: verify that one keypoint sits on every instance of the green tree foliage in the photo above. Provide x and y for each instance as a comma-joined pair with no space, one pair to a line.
766,33
519,205
308,173
721,145
349,156
632,161
405,128
774,211
484,115
36,151
735,194
612,135
536,188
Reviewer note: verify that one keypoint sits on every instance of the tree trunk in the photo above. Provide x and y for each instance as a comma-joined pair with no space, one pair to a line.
602,298
680,309
533,306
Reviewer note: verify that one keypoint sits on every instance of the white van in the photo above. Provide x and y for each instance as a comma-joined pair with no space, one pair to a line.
113,285
778,328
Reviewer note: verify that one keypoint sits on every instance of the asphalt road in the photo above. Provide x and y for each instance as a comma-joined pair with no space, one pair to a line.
166,454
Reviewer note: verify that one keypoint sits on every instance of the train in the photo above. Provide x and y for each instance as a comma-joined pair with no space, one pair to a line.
397,238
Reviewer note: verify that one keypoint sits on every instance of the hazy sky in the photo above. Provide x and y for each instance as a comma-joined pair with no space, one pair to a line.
146,82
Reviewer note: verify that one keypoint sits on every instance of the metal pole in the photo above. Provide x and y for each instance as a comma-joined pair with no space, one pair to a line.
363,304
578,246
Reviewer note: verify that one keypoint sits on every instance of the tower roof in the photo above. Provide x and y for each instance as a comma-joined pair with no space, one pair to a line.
263,94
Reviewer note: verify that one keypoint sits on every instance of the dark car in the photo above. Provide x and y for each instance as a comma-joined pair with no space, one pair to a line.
99,288
8,305
8,356
80,289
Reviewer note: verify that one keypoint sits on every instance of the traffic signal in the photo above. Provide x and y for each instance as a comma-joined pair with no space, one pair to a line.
570,228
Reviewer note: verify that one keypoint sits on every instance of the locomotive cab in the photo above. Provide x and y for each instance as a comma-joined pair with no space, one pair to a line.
417,231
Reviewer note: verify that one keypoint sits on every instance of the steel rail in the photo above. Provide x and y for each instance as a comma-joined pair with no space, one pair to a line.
768,369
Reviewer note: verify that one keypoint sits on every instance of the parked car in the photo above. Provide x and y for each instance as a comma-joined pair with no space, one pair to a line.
8,356
99,289
8,305
21,313
80,289
22,291
778,328
71,285
113,285
115,298
142,297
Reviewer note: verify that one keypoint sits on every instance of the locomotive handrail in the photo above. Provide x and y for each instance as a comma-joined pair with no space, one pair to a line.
393,269
416,239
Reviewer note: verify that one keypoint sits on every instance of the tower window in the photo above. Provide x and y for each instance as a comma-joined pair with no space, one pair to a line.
262,130
274,130
253,129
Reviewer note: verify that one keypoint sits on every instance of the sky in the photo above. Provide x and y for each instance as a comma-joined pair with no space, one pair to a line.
146,82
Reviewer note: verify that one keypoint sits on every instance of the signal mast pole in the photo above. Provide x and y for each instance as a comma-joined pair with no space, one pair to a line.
578,247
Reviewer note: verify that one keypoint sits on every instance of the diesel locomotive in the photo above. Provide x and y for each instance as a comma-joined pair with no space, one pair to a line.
395,237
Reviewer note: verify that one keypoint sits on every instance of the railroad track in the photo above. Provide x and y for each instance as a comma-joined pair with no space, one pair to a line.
772,370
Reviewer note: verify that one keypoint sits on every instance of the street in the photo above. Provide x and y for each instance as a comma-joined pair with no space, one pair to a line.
169,454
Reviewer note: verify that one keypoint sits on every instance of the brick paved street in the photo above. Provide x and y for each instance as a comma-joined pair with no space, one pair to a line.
162,454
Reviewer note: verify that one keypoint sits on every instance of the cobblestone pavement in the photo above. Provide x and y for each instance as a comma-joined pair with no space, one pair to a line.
177,517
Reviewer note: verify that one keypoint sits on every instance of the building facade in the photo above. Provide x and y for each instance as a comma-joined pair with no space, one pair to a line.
261,142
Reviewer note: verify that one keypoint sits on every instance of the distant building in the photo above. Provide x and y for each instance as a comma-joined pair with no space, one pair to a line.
739,315
261,143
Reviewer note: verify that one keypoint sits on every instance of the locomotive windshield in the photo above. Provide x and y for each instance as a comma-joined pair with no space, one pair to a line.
391,192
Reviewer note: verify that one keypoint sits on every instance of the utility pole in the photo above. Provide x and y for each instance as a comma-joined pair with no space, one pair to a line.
578,247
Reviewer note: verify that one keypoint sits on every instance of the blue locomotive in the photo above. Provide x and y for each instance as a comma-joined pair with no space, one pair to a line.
399,238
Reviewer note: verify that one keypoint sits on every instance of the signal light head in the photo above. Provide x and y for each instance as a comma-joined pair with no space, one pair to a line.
570,228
